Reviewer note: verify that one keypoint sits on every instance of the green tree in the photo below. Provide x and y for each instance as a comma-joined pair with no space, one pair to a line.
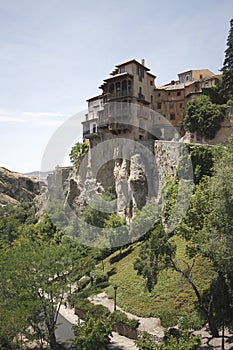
203,117
78,151
94,334
116,231
186,341
153,256
227,69
35,276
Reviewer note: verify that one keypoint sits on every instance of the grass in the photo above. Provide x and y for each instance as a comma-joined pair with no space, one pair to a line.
172,296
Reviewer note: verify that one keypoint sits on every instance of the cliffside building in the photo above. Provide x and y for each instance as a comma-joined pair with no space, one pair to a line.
131,104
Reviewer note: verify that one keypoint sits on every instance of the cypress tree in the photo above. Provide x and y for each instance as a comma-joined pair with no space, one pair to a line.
227,69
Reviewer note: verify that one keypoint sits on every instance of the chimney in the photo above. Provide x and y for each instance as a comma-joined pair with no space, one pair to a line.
143,62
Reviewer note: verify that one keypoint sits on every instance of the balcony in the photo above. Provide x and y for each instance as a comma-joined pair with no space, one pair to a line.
90,128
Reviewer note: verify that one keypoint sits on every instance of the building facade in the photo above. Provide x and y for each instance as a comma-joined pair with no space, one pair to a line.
130,104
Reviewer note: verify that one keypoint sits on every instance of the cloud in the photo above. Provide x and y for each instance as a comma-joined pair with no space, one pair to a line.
9,119
43,114
35,118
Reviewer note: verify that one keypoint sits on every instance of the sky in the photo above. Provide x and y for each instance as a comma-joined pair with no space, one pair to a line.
54,55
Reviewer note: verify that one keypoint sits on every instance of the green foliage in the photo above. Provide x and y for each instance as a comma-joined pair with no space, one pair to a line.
153,255
227,69
13,219
203,117
215,93
116,230
186,341
202,158
93,334
98,277
35,274
78,151
120,317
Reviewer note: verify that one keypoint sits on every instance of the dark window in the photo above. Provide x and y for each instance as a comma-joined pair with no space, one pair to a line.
140,72
159,105
111,88
140,137
159,94
151,99
200,76
122,69
124,87
151,83
181,105
129,86
178,93
118,88
169,94
172,116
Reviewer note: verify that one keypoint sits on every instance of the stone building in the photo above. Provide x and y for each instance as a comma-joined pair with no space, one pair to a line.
130,104
171,99
126,107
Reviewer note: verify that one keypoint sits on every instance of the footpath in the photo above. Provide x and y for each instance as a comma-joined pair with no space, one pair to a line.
118,342
150,325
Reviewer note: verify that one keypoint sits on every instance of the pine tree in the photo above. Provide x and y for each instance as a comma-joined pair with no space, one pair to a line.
227,69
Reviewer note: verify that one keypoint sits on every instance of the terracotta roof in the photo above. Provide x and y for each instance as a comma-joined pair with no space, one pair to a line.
132,61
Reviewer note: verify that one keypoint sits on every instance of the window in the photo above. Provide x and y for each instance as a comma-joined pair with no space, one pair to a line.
111,88
178,93
187,77
171,105
201,76
159,105
140,90
140,72
129,86
151,83
169,94
151,99
124,87
172,116
159,94
122,69
118,88
181,105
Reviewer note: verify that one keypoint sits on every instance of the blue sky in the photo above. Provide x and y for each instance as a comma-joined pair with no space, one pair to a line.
54,55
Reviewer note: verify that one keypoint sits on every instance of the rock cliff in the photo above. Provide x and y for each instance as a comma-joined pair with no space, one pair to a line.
15,187
135,176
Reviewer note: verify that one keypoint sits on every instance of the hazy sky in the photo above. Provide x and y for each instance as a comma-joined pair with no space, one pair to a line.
54,55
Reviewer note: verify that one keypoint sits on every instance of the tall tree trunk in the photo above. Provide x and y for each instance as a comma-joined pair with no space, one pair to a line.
52,341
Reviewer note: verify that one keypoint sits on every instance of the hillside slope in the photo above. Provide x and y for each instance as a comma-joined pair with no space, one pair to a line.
171,299
15,187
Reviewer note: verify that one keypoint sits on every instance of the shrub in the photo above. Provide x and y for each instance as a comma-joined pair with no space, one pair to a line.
118,316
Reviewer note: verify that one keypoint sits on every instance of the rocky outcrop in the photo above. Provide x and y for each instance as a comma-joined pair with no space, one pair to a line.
135,171
15,187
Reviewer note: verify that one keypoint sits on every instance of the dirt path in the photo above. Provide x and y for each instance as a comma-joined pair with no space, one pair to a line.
150,324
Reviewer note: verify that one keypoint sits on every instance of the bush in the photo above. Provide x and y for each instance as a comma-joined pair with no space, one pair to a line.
118,316
98,277
83,282
99,312
186,341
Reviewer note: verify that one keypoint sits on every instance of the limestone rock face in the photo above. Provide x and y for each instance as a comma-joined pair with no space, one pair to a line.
15,187
134,176
138,182
122,187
